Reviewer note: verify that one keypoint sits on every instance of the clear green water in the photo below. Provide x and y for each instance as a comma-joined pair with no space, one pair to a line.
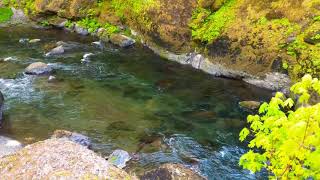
123,99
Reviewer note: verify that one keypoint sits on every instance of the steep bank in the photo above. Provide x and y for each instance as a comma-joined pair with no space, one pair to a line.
236,38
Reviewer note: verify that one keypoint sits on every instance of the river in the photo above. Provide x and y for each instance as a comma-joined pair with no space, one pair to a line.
125,98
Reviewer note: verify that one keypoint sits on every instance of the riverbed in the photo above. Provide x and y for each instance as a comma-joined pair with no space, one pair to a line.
126,98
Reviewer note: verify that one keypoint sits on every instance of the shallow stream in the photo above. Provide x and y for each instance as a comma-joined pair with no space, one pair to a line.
125,98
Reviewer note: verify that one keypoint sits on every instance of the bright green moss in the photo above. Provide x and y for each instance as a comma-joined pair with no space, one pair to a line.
91,24
212,24
134,10
5,14
111,29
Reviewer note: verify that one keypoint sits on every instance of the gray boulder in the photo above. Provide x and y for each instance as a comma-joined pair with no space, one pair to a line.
122,40
56,51
38,68
119,158
8,146
73,136
80,30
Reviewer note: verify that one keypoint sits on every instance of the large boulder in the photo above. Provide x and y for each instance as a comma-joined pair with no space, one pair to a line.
56,51
8,146
121,40
80,30
171,172
72,136
38,68
64,8
58,159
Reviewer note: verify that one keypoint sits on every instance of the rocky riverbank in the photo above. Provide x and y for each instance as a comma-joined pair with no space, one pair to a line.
66,155
273,80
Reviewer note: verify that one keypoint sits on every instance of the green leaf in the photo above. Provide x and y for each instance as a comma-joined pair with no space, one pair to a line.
243,134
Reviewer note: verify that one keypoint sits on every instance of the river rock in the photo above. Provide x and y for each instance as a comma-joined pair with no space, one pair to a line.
56,51
52,79
34,40
80,30
18,16
72,136
119,158
23,40
98,44
8,146
86,57
122,40
171,172
38,68
250,105
58,159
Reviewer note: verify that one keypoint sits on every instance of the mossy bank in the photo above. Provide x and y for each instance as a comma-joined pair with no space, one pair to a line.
236,38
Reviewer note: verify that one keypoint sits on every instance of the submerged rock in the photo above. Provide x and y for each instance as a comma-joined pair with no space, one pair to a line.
172,172
98,44
34,40
72,136
38,68
250,105
52,79
119,158
23,40
122,40
56,51
8,146
86,57
58,159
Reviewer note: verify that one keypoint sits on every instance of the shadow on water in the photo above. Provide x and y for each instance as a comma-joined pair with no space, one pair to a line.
125,98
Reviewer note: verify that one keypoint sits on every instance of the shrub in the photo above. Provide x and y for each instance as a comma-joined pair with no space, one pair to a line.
286,135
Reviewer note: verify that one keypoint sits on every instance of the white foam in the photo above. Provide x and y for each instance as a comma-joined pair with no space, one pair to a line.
12,143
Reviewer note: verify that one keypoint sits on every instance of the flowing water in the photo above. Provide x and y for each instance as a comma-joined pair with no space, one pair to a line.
125,98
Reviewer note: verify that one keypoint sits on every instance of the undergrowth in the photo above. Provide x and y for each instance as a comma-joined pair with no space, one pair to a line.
5,14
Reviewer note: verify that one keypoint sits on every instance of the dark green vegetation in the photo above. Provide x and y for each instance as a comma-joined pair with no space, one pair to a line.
5,14
288,133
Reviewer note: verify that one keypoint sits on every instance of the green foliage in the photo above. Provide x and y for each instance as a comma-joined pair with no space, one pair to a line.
111,29
5,14
91,24
285,137
207,25
317,18
45,23
285,65
69,24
